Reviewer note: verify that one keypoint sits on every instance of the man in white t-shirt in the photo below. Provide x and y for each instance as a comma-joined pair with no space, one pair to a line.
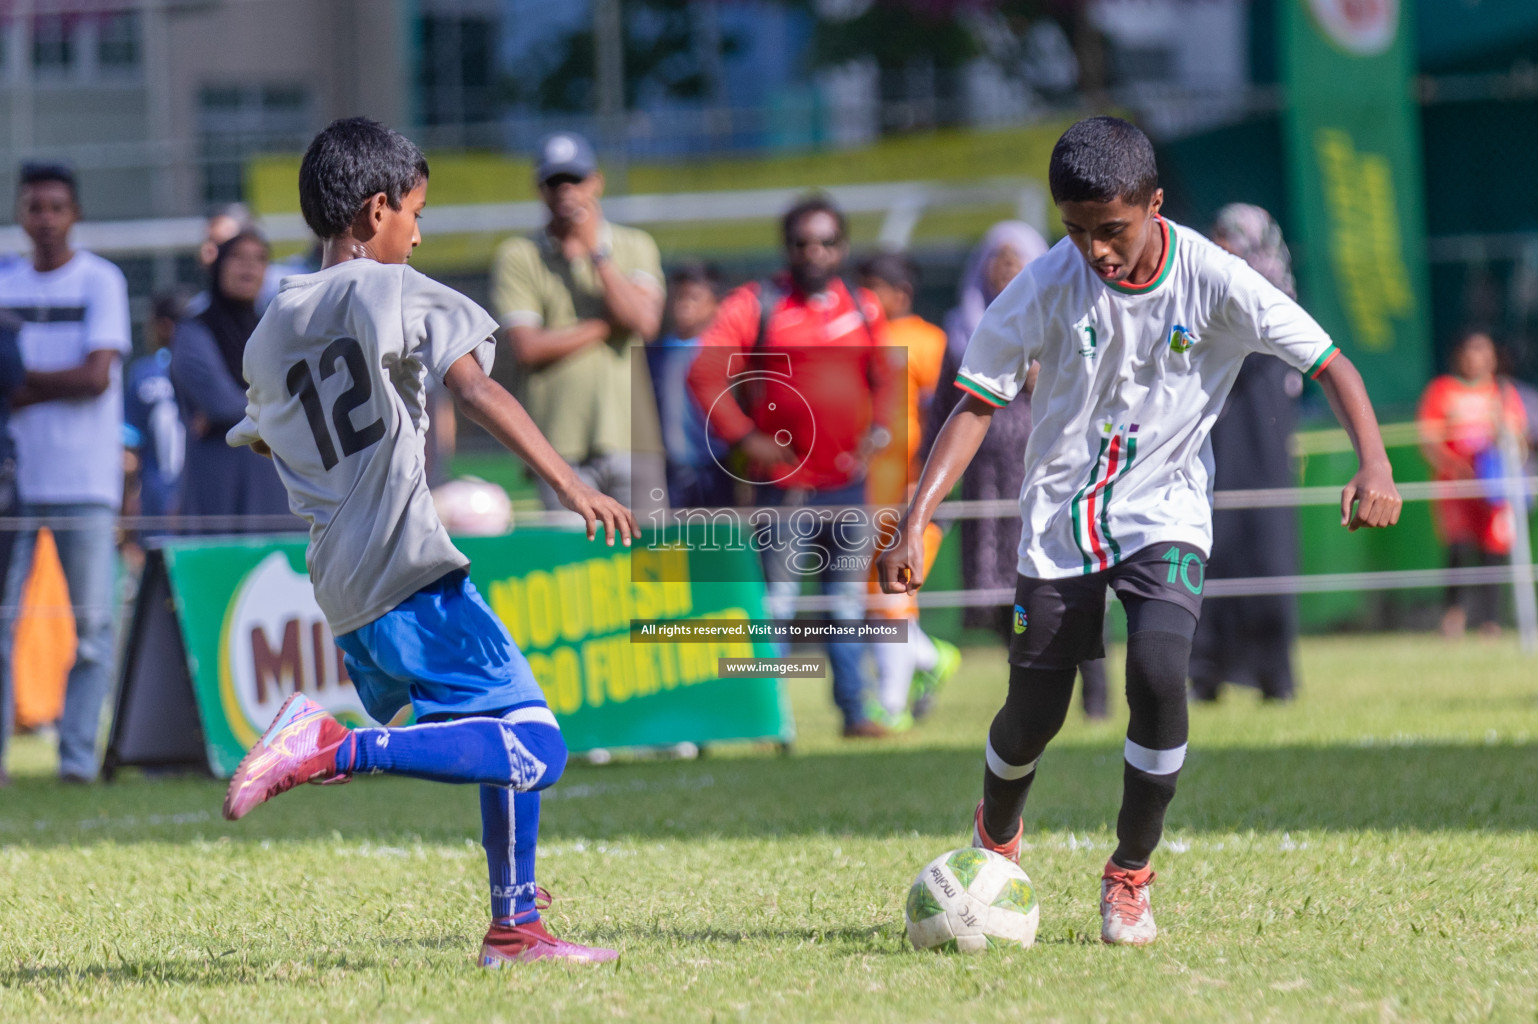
1139,326
69,442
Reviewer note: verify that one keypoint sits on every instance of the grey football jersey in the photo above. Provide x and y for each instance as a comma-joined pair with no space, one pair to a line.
337,373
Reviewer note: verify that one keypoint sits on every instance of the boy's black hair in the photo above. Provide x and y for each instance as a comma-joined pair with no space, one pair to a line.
1102,159
696,272
804,208
895,268
1469,332
37,173
1465,334
353,159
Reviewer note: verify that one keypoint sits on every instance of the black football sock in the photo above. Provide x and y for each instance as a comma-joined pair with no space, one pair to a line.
1033,712
1156,738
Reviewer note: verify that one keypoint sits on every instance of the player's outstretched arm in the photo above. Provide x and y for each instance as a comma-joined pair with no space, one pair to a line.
1371,490
901,567
488,403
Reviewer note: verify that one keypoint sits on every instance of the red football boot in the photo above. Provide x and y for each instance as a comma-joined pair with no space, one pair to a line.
1126,912
981,839
299,746
507,943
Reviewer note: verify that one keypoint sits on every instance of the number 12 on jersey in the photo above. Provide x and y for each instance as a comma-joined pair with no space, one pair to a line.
301,385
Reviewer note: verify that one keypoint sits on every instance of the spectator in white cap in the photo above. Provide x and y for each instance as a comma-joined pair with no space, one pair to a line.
575,299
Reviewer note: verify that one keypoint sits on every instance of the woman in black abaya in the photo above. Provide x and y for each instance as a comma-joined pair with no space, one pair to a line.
206,356
1249,640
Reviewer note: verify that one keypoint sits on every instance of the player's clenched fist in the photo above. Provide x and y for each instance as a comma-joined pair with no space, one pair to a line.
901,566
1376,500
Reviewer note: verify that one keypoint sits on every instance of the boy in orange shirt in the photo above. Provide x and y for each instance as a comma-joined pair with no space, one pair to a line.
918,667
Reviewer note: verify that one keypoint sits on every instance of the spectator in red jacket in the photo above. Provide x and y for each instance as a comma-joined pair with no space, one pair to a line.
1462,416
795,378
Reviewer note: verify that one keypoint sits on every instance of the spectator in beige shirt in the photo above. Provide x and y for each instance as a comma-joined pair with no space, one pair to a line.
575,300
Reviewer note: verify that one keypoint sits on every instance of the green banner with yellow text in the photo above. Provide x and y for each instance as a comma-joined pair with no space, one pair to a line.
1354,161
252,634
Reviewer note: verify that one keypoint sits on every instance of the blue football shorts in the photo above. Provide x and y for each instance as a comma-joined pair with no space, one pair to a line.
442,651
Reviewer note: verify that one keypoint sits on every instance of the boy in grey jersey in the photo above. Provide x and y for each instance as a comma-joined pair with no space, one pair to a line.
337,373
1139,327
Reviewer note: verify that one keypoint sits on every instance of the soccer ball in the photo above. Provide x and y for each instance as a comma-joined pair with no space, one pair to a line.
471,507
970,900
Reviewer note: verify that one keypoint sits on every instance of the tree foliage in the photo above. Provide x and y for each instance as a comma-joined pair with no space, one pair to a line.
662,60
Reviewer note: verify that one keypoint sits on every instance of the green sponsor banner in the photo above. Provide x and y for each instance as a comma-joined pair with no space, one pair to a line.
252,634
1354,159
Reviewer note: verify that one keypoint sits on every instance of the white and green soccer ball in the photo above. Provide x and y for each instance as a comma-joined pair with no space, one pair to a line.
971,900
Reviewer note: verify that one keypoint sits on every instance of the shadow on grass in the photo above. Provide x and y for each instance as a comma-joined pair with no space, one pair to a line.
217,971
879,938
874,791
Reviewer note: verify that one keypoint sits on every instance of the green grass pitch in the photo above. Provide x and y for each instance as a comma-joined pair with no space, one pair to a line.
1366,854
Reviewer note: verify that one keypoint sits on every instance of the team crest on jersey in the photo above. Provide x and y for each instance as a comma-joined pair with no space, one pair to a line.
1019,619
1181,339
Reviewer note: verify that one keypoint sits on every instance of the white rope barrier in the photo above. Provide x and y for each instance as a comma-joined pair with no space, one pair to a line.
1000,508
193,525
1249,586
1519,573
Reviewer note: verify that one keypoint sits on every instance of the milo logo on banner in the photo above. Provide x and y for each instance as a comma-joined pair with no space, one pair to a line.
232,629
275,642
1362,27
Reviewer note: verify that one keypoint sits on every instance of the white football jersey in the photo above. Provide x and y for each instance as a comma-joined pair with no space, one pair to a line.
337,373
1132,379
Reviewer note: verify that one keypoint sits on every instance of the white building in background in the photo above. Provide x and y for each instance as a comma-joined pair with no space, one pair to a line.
1183,66
158,103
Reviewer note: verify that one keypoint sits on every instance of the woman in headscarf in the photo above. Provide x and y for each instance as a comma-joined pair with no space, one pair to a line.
207,352
1249,640
989,547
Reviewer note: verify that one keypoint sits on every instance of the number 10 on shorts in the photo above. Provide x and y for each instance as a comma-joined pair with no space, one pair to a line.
1184,567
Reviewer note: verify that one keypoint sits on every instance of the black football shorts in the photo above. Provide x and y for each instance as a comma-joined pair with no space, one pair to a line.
1060,623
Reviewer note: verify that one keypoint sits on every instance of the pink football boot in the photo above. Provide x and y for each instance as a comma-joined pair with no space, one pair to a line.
299,746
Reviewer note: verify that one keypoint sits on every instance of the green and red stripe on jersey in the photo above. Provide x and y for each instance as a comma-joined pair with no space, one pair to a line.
1091,506
982,391
1165,265
1325,359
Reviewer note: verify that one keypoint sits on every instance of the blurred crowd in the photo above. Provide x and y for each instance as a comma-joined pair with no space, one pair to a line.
815,387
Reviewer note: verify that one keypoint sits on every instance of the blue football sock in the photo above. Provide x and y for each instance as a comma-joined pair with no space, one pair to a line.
512,757
510,832
523,749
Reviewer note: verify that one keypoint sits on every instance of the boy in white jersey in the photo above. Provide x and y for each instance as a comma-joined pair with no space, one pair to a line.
1140,327
337,372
